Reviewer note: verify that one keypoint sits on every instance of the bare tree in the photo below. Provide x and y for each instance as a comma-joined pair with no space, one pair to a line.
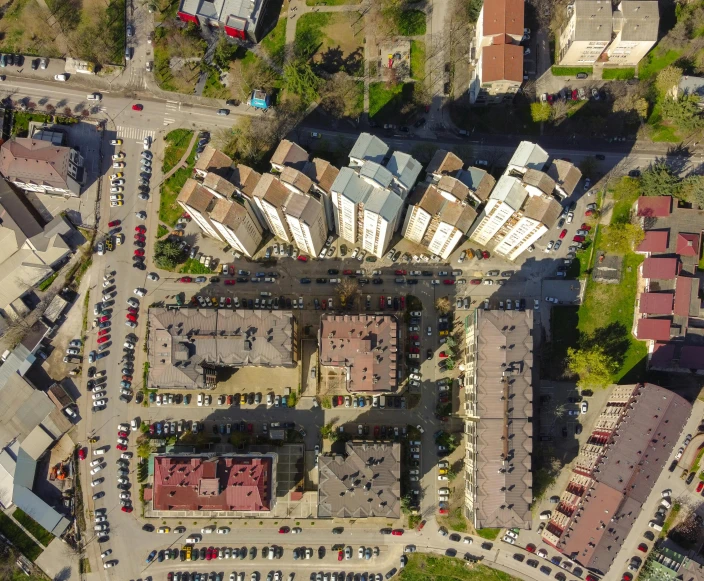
68,112
347,289
443,305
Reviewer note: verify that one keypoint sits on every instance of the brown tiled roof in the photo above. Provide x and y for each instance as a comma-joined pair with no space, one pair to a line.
34,160
540,180
322,173
228,213
654,206
461,216
486,184
444,163
272,190
656,303
297,179
219,184
195,196
654,329
366,482
544,209
565,174
245,178
503,17
660,268
502,62
454,187
213,160
366,345
683,294
204,483
289,153
687,244
504,401
427,197
654,241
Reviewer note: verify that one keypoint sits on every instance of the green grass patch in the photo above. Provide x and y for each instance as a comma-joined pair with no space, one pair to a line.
388,102
21,121
571,71
426,567
161,231
655,61
671,518
193,266
624,193
19,538
488,534
35,529
623,74
309,33
417,60
274,43
411,23
47,283
665,134
213,87
84,566
697,461
176,144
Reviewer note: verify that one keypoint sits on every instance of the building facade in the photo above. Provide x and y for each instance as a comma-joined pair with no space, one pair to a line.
241,19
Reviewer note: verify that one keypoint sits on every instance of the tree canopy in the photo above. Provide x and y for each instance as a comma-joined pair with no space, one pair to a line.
593,365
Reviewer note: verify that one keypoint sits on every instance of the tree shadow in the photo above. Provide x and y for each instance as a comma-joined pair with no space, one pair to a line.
613,339
64,574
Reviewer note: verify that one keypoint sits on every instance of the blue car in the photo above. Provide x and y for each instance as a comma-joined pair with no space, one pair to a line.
151,556
305,281
361,402
125,384
158,428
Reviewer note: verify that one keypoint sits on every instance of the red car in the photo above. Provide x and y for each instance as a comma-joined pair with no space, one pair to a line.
228,301
139,237
82,453
420,525
530,547
121,447
381,302
401,272
442,355
139,252
590,578
126,509
575,96
485,254
137,107
284,530
340,400
443,511
133,310
415,350
403,303
550,99
104,319
324,304
397,532
448,281
414,337
126,378
586,227
700,486
113,223
627,577
140,228
103,339
131,317
347,272
578,239
563,233
302,258
250,428
123,434
643,547
339,555
185,279
103,332
588,212
209,554
475,281
376,431
230,281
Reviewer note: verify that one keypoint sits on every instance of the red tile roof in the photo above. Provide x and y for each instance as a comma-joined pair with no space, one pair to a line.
234,483
654,241
660,268
654,206
687,244
683,295
692,357
656,303
503,17
655,329
662,355
502,62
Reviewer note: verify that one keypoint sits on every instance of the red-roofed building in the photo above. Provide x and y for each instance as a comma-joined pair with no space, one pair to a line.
687,244
656,303
692,357
653,329
654,206
660,268
683,295
662,355
655,241
237,483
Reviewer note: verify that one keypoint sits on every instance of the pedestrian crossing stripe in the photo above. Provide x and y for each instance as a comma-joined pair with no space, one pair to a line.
134,133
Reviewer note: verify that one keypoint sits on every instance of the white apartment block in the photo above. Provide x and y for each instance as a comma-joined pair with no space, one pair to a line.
368,148
507,198
198,202
381,213
305,217
237,226
636,24
587,33
270,196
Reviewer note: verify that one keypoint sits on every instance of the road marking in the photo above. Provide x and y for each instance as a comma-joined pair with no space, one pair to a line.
168,121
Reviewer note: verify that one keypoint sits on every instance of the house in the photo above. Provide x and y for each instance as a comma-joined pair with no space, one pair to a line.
498,72
241,19
41,166
259,100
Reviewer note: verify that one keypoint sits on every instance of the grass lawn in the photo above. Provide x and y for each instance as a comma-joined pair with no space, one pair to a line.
623,74
36,530
274,43
488,534
335,40
411,23
45,284
671,518
23,29
161,231
455,521
169,210
625,192
21,121
417,60
571,71
655,61
387,103
193,266
213,87
424,567
19,538
665,134
176,144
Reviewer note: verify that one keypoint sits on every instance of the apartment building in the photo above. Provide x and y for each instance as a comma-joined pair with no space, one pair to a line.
237,226
498,390
242,19
270,195
472,185
498,71
41,166
323,175
305,218
214,161
368,148
288,154
198,202
382,211
595,32
614,473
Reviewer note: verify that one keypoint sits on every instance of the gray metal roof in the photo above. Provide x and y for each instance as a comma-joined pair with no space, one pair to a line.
377,173
404,168
39,510
530,155
349,185
384,203
593,20
509,190
369,147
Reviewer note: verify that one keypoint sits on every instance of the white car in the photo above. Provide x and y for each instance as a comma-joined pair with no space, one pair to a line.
140,292
116,142
200,399
100,402
129,345
118,165
509,540
125,495
548,248
97,469
147,142
207,530
99,451
511,534
134,424
99,394
584,407
123,441
97,481
223,530
118,182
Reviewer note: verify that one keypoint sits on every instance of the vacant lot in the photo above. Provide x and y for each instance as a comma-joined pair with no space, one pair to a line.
249,72
335,41
395,104
24,29
274,43
178,51
177,140
423,567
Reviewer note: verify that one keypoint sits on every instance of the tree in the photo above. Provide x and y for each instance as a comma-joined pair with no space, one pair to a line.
340,96
668,80
300,79
347,289
693,190
593,365
50,108
540,112
683,112
450,343
224,52
327,430
632,103
167,254
660,180
85,113
588,166
449,364
68,111
621,238
442,305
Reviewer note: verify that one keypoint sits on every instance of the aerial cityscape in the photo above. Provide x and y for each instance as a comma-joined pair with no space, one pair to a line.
342,290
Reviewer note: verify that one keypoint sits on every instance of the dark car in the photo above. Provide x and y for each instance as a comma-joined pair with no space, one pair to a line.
223,111
634,173
691,477
582,75
420,122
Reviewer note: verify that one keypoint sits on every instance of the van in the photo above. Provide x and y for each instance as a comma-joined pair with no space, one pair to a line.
414,356
653,525
415,456
94,97
382,401
334,281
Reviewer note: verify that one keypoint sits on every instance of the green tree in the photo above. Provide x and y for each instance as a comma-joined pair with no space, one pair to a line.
667,80
327,430
621,238
693,190
224,52
660,180
588,166
593,365
540,112
167,254
449,364
340,96
473,9
302,81
626,188
683,112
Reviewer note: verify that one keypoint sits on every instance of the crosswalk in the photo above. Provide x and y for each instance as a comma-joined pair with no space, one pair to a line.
134,133
171,108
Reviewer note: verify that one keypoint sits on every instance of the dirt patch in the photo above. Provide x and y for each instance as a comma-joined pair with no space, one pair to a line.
24,29
332,382
341,43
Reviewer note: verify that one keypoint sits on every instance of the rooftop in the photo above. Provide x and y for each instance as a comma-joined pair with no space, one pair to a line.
655,241
444,163
365,482
654,206
653,329
366,346
502,62
565,174
322,172
593,20
289,154
369,147
503,17
38,162
213,160
660,268
640,20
